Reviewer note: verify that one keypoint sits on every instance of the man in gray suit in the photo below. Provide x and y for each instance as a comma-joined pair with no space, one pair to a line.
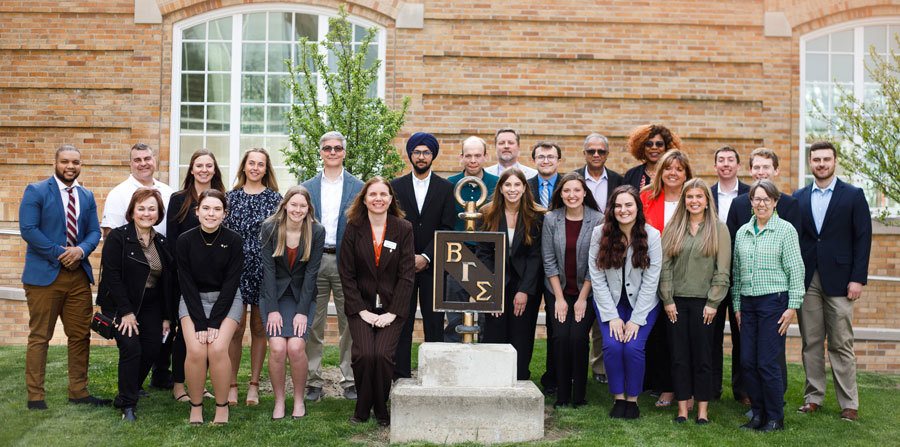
331,190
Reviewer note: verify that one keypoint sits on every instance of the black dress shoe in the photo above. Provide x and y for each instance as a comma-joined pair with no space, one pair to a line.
165,383
632,411
550,390
384,422
771,426
142,393
618,409
601,378
128,414
679,419
37,405
560,405
355,420
91,400
754,423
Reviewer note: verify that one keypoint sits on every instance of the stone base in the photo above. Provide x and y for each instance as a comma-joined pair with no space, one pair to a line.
446,415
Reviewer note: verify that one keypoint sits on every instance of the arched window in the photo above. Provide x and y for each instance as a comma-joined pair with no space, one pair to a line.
228,73
832,58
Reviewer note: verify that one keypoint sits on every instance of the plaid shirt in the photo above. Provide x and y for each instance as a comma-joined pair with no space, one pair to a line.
768,262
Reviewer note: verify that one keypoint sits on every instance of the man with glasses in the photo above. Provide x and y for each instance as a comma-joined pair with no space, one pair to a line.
331,191
428,202
507,142
600,181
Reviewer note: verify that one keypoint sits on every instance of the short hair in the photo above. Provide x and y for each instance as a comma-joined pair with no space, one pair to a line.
505,130
737,156
546,145
142,147
764,153
768,186
822,145
333,135
596,136
144,193
65,148
474,138
214,193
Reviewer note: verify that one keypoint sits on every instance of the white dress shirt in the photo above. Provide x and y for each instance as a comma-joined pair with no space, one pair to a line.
599,187
725,199
117,201
420,187
497,170
332,191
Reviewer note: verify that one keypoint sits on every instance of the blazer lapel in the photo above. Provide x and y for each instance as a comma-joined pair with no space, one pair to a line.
392,234
835,198
432,185
56,198
367,246
315,191
345,192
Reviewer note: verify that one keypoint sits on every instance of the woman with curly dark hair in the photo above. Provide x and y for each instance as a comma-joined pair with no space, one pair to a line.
647,144
625,262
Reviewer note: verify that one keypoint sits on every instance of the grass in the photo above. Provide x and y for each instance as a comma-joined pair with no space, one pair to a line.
162,421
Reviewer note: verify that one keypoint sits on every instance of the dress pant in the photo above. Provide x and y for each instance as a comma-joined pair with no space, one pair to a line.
625,362
161,373
548,380
69,298
179,353
138,351
726,310
761,349
373,365
821,317
517,331
659,359
571,343
432,322
328,284
689,342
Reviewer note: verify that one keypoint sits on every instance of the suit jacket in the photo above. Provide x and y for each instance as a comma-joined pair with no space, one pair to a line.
278,276
840,252
743,188
655,209
741,212
553,245
351,187
523,262
640,284
438,211
613,179
392,280
635,175
125,272
534,185
42,223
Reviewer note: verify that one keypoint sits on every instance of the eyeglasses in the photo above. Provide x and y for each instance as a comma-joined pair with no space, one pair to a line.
593,152
424,154
546,158
332,149
659,144
763,200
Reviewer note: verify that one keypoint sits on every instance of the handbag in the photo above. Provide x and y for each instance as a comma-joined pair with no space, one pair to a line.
103,325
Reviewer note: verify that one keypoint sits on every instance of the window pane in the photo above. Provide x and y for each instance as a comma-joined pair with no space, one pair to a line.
192,87
219,88
274,146
285,179
195,32
820,44
193,56
220,29
252,119
252,88
306,26
219,57
277,121
217,118
254,57
218,145
255,26
189,145
252,141
278,93
842,67
192,117
816,94
278,52
842,41
817,67
870,64
875,36
280,26
892,37
372,55
297,53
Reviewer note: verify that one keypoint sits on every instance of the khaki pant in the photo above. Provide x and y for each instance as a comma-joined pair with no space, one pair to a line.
69,298
329,284
597,348
828,317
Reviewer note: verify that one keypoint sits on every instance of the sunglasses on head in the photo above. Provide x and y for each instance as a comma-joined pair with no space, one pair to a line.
659,144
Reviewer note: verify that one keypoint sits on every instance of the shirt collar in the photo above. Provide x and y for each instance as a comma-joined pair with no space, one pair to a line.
339,179
62,186
587,174
830,186
723,191
424,181
138,184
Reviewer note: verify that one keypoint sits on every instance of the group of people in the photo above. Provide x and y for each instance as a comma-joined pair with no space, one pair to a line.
637,273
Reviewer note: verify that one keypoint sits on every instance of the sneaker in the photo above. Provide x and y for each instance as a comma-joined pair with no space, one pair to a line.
350,393
313,393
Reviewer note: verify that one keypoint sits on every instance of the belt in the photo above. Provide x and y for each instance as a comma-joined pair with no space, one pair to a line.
330,250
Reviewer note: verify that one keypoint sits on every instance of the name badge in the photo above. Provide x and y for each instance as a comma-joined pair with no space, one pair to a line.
390,245
377,301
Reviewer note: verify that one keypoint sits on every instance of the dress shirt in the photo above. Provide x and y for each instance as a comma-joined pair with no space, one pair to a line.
65,198
497,169
420,187
767,262
332,191
599,187
725,199
118,199
819,199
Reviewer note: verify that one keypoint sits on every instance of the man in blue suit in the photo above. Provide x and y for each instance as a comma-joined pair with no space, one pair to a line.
58,221
331,190
835,241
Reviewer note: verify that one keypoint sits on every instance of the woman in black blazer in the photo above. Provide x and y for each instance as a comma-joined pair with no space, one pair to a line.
137,290
291,252
377,271
514,212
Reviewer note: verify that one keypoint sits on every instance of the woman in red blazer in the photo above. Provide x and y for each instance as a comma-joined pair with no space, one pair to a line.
660,199
376,265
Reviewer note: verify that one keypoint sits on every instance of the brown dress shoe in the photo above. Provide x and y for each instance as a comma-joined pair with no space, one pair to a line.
849,414
809,407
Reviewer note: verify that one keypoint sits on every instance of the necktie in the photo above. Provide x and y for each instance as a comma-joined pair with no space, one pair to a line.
71,225
545,194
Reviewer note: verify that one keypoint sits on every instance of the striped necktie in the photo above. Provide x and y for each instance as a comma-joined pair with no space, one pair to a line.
545,194
71,223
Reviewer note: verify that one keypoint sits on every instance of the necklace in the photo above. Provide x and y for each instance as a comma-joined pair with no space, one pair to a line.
214,239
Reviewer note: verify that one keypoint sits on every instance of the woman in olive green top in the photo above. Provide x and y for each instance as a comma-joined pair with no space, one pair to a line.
693,281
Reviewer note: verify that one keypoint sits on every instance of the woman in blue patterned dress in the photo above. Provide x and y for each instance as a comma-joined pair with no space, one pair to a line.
254,198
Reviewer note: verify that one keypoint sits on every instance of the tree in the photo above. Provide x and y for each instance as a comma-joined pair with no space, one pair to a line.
366,121
868,131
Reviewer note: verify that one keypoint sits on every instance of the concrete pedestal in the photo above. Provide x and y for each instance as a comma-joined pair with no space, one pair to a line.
466,393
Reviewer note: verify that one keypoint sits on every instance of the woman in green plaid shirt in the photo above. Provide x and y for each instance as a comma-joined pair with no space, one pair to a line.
767,289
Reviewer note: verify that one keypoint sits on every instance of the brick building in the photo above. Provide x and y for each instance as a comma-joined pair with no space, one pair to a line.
185,74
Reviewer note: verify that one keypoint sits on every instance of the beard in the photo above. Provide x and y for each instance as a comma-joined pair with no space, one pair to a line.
419,170
61,175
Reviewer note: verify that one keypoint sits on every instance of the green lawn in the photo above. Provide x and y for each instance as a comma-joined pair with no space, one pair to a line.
162,421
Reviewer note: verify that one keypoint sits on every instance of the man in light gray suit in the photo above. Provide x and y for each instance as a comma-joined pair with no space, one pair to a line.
331,190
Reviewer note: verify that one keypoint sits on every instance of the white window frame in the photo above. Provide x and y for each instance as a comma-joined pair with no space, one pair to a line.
237,13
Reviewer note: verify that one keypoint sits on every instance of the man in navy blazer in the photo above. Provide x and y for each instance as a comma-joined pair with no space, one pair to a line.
835,242
58,221
331,191
428,202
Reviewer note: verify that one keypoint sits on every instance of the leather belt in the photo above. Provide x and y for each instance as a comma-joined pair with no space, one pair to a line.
330,250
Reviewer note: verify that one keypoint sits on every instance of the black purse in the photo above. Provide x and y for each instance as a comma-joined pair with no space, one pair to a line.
103,325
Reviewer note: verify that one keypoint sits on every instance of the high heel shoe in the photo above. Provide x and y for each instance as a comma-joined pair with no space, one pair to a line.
200,422
233,403
222,405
